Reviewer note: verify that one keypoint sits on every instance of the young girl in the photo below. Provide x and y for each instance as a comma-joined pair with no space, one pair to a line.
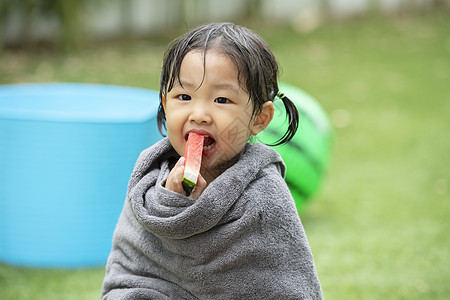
238,235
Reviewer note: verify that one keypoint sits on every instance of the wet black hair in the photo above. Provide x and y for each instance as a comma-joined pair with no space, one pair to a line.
256,64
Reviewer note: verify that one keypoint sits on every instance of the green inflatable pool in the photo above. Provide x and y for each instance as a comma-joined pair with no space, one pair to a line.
307,154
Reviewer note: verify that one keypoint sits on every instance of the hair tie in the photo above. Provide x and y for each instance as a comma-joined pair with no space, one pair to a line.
281,95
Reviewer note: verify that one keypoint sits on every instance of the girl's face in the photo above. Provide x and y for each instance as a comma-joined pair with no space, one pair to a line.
210,100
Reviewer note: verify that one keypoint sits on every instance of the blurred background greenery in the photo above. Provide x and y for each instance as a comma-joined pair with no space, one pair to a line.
379,228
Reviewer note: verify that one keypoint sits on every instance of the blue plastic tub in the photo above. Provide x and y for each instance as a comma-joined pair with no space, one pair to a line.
66,154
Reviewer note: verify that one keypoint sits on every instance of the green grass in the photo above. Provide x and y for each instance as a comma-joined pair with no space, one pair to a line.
379,228
27,283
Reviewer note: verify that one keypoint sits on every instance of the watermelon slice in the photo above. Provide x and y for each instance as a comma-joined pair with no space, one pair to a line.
193,155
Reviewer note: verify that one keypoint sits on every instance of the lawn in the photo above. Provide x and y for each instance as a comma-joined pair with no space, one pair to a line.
379,227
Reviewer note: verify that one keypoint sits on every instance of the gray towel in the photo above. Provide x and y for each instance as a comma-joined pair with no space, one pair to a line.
242,239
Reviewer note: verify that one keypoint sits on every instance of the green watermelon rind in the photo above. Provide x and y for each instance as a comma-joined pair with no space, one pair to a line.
189,181
188,186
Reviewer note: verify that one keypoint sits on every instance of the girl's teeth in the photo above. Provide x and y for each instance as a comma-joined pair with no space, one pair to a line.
210,143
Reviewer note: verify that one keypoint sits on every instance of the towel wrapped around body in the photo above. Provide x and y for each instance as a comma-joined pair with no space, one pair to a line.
242,239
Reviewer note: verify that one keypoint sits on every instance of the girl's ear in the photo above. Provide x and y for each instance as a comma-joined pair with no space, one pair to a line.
263,119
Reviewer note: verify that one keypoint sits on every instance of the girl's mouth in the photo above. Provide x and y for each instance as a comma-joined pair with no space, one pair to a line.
208,144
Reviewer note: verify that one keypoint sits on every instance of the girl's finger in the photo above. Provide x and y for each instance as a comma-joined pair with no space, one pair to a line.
175,177
199,187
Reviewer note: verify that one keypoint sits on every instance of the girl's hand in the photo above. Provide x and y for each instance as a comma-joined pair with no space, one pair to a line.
175,178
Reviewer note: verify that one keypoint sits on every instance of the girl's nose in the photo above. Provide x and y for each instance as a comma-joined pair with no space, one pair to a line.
200,114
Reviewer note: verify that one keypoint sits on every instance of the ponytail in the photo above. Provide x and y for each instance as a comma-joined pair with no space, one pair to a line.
292,116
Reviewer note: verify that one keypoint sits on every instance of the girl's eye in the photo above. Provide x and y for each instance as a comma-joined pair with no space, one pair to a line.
222,100
184,97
